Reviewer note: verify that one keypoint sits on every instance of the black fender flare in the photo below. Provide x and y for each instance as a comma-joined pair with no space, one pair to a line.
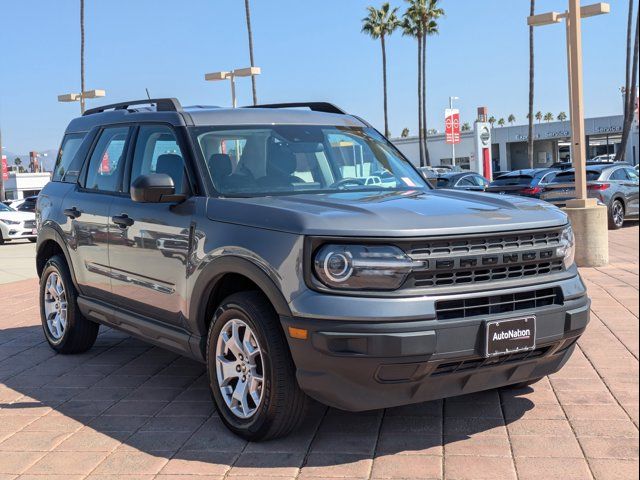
51,233
214,271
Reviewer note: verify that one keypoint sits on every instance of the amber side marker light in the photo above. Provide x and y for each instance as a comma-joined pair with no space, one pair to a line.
299,333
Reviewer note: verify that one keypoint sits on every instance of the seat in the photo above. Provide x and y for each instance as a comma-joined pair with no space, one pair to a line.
281,163
220,167
172,164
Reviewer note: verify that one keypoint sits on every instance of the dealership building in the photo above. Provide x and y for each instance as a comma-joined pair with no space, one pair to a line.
509,144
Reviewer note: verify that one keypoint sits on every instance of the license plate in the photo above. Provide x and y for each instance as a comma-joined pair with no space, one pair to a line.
510,335
34,231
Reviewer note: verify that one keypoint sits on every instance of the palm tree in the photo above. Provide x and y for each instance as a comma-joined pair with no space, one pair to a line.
562,116
466,127
405,132
492,120
511,119
548,117
539,116
247,11
81,56
501,122
532,12
631,82
412,27
378,25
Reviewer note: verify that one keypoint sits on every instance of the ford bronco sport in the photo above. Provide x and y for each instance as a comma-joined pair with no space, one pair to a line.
298,254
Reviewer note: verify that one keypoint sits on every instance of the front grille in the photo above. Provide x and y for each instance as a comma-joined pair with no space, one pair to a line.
30,224
478,363
435,279
493,257
496,304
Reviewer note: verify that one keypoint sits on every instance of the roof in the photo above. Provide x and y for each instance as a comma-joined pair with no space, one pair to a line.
170,111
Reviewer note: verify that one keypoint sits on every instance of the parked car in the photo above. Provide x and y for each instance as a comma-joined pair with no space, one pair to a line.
28,204
16,225
430,175
526,183
290,276
615,186
462,181
568,165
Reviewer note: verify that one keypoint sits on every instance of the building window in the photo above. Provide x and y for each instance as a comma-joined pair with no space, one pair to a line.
462,162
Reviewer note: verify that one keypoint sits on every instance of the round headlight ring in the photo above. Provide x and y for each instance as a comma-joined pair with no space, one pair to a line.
338,266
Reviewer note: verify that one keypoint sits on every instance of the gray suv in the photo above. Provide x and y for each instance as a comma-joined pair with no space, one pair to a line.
298,255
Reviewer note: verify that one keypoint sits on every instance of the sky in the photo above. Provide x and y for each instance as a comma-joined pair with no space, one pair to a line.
309,50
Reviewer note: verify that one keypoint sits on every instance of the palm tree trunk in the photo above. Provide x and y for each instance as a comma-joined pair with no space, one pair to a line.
420,126
424,100
630,106
531,88
81,56
249,32
384,85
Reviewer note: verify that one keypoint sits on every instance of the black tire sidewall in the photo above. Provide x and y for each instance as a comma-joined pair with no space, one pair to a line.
612,222
258,422
58,265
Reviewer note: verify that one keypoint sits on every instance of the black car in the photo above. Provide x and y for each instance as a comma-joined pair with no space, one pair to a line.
526,183
29,204
462,181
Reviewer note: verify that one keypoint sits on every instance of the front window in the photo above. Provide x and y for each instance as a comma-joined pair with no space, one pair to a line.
290,159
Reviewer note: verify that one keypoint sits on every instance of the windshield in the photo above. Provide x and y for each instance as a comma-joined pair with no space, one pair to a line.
570,177
4,208
512,180
290,159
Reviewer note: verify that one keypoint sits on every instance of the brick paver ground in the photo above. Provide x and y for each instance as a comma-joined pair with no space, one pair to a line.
129,410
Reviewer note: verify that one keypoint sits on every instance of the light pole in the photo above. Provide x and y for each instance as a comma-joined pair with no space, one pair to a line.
453,143
77,97
2,169
589,220
231,76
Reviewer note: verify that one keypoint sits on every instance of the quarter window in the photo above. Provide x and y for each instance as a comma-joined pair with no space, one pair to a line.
157,151
107,160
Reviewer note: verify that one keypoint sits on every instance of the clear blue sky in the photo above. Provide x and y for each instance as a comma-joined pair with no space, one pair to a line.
308,50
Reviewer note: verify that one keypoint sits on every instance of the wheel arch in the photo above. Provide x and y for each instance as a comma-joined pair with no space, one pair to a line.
50,243
213,285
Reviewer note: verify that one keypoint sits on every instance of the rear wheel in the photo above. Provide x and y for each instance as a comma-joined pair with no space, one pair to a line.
65,328
616,214
251,373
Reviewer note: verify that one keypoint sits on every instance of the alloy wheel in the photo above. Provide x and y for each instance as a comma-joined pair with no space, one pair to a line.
239,368
55,306
618,214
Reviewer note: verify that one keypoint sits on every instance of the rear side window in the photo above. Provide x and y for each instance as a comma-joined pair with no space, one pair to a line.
66,170
107,160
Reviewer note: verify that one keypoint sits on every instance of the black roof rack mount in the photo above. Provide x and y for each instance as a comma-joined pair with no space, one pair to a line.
314,106
162,105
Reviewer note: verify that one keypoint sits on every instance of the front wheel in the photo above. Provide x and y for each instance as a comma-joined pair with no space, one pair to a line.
65,328
616,215
251,373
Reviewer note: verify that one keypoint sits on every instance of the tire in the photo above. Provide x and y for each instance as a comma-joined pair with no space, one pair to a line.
74,333
282,405
616,214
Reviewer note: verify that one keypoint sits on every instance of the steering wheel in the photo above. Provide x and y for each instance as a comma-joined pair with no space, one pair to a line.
340,184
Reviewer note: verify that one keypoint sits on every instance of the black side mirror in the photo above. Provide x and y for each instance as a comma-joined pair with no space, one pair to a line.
155,188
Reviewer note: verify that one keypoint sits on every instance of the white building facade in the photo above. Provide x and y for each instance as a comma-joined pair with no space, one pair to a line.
22,185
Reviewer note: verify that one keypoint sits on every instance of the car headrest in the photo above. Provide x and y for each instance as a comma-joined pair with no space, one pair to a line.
220,165
172,165
281,161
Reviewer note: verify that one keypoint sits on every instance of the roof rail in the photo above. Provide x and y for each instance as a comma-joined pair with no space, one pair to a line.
162,105
314,106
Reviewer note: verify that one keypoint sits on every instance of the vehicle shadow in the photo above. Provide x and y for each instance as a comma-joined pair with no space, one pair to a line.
124,395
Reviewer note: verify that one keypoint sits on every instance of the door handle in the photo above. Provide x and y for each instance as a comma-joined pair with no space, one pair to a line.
72,212
123,221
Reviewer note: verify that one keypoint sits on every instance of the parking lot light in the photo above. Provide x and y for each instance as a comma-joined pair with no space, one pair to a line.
231,76
77,97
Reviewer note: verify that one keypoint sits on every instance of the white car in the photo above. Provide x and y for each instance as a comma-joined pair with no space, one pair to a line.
16,225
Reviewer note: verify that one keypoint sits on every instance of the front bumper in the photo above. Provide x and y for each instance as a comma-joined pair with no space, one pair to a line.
18,232
361,365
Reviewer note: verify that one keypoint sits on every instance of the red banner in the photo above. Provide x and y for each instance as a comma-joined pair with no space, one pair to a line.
452,125
5,168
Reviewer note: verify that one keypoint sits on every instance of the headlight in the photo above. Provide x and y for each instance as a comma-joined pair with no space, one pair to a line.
567,248
10,222
363,267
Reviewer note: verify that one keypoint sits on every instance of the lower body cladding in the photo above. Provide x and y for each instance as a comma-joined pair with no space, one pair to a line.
365,365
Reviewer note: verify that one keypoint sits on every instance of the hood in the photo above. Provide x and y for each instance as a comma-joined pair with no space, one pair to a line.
17,216
387,214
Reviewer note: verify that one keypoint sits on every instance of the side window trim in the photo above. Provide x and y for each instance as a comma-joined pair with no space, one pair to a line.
83,175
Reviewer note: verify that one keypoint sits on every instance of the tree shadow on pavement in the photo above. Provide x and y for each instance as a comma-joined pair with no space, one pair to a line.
125,395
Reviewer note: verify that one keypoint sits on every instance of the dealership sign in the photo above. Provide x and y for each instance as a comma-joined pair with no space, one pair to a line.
5,168
452,125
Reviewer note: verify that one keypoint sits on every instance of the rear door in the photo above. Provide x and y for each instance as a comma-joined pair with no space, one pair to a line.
86,209
633,203
149,250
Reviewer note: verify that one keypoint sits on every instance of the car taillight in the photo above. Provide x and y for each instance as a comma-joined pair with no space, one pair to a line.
598,186
531,191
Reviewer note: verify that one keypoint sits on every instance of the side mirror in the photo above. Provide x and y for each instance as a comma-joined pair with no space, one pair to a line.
154,188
